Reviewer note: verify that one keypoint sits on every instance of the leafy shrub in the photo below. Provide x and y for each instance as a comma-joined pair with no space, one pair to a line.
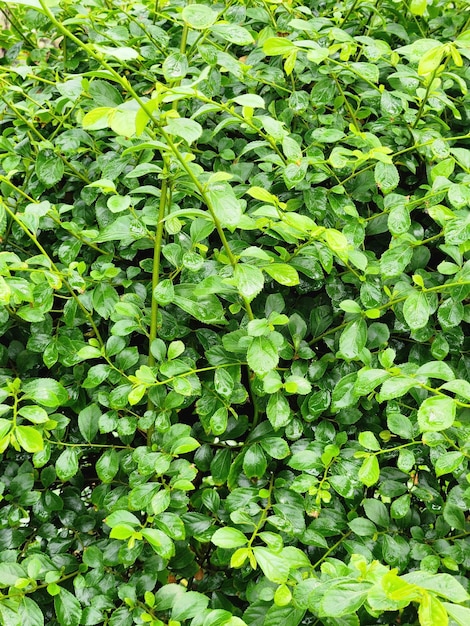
234,304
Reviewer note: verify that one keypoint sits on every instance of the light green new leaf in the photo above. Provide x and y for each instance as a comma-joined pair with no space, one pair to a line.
97,119
229,538
436,413
274,46
368,440
29,438
431,59
283,274
431,612
122,53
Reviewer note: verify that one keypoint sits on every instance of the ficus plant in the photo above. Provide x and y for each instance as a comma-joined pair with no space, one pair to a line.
234,307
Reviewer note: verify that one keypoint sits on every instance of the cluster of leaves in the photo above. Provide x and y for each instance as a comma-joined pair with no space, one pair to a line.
234,297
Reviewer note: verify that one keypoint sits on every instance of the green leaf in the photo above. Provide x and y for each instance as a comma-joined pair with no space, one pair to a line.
189,605
159,541
274,567
368,379
249,280
183,445
189,130
175,66
448,462
207,310
436,369
362,527
416,310
104,299
368,440
344,599
107,465
395,387
400,507
122,517
250,100
386,176
369,471
443,585
254,462
454,516
229,538
459,614
233,34
117,204
67,608
278,410
67,464
199,16
10,573
377,512
225,204
353,339
283,274
436,413
262,355
88,421
46,391
49,168
104,94
395,260
276,447
460,387
30,613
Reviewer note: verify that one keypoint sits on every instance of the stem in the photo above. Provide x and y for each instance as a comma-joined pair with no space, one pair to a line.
426,95
332,549
156,268
348,106
351,9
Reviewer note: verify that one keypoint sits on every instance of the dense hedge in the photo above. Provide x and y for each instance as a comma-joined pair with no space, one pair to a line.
234,304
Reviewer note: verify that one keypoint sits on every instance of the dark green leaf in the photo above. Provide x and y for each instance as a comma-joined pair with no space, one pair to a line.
67,607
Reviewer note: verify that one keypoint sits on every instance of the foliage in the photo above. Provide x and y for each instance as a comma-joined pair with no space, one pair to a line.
234,287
